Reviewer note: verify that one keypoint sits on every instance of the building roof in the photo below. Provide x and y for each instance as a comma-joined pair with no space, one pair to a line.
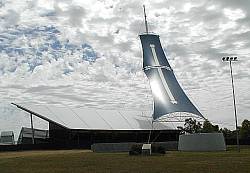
94,119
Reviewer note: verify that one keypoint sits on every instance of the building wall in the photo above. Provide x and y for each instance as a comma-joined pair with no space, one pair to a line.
202,142
85,138
7,139
40,136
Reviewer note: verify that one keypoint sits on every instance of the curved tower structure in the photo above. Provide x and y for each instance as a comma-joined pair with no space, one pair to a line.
168,95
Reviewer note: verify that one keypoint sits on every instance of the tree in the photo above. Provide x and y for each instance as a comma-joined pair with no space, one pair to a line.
228,134
245,130
191,126
209,127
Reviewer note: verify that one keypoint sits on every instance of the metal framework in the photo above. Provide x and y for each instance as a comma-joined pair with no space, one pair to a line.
179,117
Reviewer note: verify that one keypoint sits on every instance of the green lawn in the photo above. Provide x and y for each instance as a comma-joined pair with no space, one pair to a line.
70,161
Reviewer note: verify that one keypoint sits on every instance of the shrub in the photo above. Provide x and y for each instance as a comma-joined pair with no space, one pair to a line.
136,149
158,149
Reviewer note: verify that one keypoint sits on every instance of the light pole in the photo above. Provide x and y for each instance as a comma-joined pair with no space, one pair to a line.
230,60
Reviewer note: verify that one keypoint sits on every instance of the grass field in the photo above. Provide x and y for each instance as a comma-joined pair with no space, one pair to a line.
70,161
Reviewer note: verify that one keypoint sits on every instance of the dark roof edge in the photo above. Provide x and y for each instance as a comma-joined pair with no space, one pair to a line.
38,115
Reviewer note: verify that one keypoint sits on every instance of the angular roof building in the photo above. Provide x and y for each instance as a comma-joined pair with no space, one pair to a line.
82,127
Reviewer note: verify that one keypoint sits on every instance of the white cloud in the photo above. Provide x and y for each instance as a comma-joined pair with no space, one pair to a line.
234,14
195,34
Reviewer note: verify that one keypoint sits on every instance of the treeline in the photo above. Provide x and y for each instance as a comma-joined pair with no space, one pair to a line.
192,126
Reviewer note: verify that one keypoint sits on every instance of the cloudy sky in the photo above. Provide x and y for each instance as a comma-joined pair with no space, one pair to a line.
87,53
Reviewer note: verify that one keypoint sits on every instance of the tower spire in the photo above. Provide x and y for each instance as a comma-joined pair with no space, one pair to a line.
145,18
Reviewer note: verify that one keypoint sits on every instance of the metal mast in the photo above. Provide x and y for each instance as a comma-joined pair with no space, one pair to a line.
230,59
145,18
235,112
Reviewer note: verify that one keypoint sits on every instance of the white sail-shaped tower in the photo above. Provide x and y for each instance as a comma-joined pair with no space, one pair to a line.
168,95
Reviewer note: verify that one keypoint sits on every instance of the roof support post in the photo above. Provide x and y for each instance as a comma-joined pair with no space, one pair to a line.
31,123
150,132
